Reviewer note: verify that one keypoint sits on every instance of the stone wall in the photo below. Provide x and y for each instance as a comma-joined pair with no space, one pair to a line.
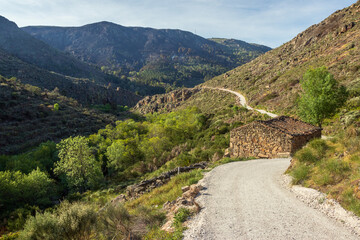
260,141
136,190
256,140
300,140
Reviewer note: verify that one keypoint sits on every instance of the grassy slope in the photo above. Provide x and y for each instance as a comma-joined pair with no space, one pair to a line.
272,80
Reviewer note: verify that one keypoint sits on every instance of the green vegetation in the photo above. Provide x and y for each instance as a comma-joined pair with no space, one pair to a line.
69,221
77,164
56,107
321,96
95,169
332,166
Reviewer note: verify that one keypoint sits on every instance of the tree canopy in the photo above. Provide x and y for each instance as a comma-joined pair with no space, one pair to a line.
78,164
321,96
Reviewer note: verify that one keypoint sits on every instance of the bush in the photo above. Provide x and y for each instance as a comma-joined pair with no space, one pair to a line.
56,107
299,173
10,236
181,216
306,155
70,221
319,146
337,166
42,157
115,222
18,189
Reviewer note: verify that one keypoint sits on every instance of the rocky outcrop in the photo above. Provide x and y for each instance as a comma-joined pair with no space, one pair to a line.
167,102
136,190
187,201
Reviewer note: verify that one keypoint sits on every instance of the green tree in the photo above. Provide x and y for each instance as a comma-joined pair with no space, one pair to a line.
78,164
18,189
321,96
122,154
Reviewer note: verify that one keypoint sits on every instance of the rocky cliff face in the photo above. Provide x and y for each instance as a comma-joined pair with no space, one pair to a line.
166,102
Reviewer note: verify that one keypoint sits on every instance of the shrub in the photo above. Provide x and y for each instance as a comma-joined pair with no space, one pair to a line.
181,216
306,155
115,222
18,189
10,236
319,146
323,178
337,166
70,221
56,107
299,173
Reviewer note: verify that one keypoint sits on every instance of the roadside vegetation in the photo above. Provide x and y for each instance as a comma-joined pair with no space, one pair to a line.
330,166
40,188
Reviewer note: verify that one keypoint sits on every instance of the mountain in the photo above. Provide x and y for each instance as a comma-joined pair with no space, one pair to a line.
27,48
34,62
162,57
272,80
28,118
245,51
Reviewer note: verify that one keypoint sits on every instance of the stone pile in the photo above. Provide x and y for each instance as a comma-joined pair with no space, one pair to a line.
136,190
187,201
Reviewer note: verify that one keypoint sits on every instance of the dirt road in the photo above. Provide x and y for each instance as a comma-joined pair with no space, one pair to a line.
246,200
243,102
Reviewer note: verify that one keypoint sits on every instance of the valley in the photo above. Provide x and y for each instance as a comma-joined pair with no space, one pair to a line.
101,126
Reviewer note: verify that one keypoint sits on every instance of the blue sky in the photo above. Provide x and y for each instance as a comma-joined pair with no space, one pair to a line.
268,22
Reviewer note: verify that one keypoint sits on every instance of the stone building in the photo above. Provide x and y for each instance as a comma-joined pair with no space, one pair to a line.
278,137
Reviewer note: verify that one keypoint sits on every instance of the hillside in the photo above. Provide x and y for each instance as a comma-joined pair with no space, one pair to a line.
38,64
272,80
28,118
243,50
162,57
27,48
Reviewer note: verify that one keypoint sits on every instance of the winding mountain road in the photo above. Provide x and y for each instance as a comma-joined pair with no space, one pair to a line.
243,101
246,200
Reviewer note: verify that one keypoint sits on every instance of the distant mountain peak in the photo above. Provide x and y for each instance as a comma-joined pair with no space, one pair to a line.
4,22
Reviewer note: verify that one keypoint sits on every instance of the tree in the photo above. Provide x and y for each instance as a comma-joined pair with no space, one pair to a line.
18,189
322,96
122,154
78,164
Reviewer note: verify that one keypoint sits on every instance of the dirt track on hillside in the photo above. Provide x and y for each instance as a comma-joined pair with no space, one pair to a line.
243,102
246,200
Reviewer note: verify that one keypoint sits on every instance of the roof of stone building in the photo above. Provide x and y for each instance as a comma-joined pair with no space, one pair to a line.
290,125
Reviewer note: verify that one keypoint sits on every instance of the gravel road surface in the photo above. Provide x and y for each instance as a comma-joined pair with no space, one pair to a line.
247,200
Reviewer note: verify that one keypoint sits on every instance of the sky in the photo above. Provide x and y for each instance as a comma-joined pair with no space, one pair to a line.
268,22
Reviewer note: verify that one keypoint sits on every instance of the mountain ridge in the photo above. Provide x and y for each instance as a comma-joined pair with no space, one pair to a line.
154,56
